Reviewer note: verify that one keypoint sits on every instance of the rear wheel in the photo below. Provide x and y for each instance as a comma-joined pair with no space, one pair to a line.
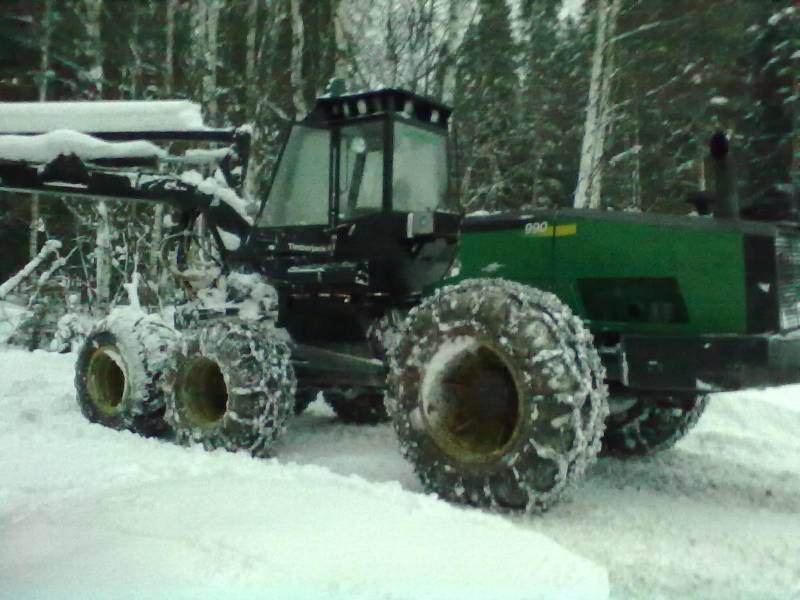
233,387
120,372
652,423
496,394
357,406
365,406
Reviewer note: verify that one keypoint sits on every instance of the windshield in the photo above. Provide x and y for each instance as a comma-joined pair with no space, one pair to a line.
361,169
299,193
420,169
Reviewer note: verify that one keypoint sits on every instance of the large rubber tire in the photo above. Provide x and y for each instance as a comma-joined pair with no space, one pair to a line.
496,393
120,372
654,423
233,387
357,406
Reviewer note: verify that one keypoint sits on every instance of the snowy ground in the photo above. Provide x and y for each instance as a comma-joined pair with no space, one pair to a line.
93,513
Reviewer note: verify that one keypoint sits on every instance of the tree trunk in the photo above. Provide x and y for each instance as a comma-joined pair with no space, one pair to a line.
446,80
637,167
205,29
702,182
598,109
136,54
796,139
93,10
298,42
157,232
392,57
606,121
251,58
341,64
169,75
44,79
212,58
103,257
33,231
265,51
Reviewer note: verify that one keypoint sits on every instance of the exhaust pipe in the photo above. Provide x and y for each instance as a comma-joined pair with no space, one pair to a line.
726,198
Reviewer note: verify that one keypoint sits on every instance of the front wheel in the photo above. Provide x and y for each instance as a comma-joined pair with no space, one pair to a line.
496,393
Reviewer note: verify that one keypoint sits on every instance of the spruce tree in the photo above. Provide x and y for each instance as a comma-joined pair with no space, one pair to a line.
486,108
773,43
680,78
554,53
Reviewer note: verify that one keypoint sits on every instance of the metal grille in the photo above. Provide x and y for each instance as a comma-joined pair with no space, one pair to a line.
787,249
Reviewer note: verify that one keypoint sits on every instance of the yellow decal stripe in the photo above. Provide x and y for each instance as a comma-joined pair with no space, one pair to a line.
564,230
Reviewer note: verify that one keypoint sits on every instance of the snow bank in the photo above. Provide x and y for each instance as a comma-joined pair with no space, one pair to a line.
89,512
100,116
46,147
718,516
757,421
11,315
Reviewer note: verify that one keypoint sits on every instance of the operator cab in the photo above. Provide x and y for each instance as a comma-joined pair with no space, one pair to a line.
360,201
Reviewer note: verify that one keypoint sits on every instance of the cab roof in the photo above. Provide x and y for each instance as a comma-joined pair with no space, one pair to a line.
332,109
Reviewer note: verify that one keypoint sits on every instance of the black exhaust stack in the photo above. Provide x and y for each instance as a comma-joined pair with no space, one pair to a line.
726,198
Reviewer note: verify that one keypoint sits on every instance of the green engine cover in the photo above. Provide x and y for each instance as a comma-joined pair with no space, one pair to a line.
634,272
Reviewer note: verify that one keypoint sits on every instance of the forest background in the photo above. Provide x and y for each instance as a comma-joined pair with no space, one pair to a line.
604,104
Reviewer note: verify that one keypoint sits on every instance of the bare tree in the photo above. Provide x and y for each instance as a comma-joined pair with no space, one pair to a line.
93,10
407,43
206,41
251,58
298,42
44,79
448,53
169,74
157,232
342,26
598,108
136,68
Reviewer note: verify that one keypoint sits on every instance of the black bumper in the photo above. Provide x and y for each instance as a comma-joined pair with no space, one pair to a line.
704,363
